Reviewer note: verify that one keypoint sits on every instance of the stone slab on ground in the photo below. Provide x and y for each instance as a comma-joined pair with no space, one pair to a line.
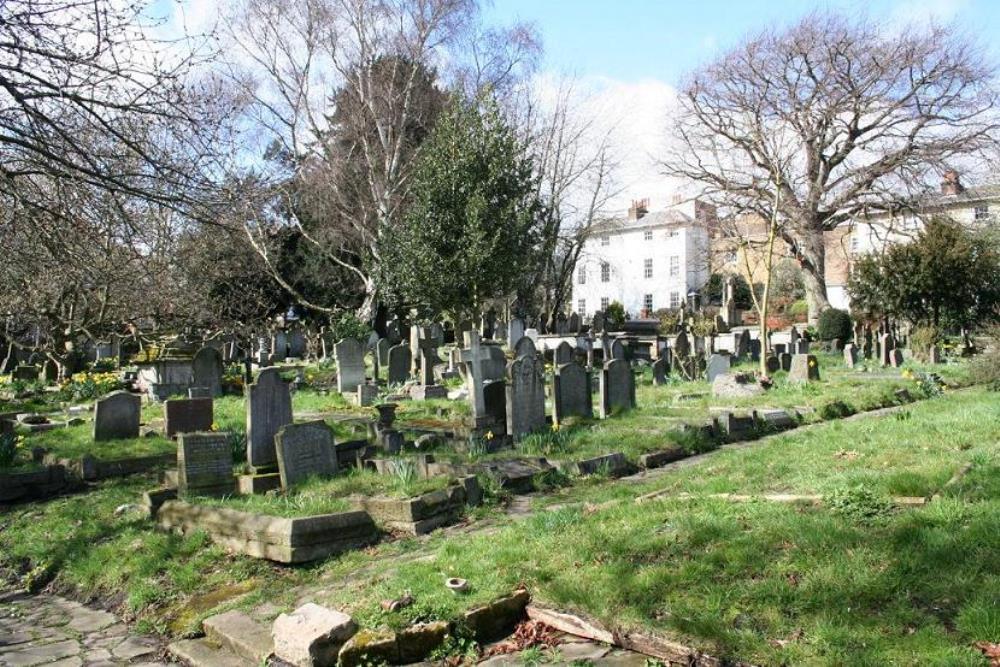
240,634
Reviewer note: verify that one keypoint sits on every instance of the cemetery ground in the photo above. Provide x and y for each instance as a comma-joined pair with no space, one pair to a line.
714,556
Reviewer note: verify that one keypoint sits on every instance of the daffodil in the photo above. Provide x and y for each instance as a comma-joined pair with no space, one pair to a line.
489,435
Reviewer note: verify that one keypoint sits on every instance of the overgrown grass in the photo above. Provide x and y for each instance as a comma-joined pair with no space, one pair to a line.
74,442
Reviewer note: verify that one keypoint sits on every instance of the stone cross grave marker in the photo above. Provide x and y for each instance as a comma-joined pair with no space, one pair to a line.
400,360
617,387
428,355
571,395
187,415
305,450
269,407
473,358
116,416
350,354
204,465
207,368
525,395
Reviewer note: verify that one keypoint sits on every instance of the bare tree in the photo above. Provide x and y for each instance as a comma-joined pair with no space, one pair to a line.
869,116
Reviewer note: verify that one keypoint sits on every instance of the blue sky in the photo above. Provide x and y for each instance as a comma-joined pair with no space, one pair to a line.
630,40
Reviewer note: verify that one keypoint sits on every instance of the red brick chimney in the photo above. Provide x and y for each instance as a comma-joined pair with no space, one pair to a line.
639,208
950,183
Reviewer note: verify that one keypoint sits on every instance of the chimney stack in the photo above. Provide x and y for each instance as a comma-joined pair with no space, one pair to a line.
639,208
950,184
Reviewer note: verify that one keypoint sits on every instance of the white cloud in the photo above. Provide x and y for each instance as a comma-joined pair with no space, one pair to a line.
925,12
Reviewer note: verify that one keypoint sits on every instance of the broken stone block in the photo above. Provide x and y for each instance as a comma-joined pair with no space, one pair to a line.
312,635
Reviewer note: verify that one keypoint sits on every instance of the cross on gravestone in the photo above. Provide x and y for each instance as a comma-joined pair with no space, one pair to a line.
116,416
204,465
269,407
305,450
473,358
428,351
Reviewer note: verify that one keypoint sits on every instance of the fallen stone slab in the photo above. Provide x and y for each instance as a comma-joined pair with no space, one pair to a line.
240,634
312,635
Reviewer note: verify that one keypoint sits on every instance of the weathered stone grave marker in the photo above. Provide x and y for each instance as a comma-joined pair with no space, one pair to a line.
525,393
717,364
305,450
804,368
571,394
269,407
617,387
350,355
661,369
400,360
187,415
204,465
117,416
207,369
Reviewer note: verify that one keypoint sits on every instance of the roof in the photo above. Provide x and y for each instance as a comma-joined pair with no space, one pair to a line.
665,218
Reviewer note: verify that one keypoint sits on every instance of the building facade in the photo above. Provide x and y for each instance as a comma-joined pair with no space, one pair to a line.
644,260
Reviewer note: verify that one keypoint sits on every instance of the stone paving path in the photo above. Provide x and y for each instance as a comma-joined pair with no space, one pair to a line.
50,630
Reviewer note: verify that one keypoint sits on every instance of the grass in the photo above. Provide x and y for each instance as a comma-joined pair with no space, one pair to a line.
74,442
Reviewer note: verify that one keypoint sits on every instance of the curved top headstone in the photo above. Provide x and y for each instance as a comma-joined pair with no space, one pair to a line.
207,369
525,347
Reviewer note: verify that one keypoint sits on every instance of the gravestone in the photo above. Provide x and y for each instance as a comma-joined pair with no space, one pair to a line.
772,364
617,387
495,400
474,357
269,407
850,355
350,355
679,346
279,347
597,322
563,354
934,354
26,372
187,415
525,348
786,361
574,323
428,345
886,345
199,392
207,368
804,368
571,394
382,348
801,346
496,368
116,416
728,313
515,331
717,364
305,450
525,395
204,465
617,349
297,344
779,348
661,369
400,359
366,395
896,357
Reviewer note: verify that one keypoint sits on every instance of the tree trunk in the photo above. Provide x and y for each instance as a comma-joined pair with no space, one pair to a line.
812,259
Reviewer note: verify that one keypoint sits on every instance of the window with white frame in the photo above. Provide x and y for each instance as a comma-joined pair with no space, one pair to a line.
604,303
647,303
675,299
581,275
581,307
605,272
647,268
672,233
647,235
605,240
675,266
981,212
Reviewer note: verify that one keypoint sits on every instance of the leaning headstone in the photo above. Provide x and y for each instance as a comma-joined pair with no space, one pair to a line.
269,407
804,368
187,415
399,361
525,395
850,355
661,369
717,364
571,395
350,355
563,354
206,368
116,416
204,465
525,347
617,387
305,450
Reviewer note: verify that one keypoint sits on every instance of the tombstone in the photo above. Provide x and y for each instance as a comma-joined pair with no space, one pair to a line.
399,361
563,354
786,361
487,324
779,348
117,416
263,351
525,348
896,357
801,346
617,349
428,357
25,372
804,368
772,364
597,322
366,395
382,348
350,355
934,354
305,450
269,407
850,355
297,344
204,465
717,364
743,343
495,400
661,369
571,394
679,346
574,323
463,327
754,348
617,387
279,347
885,346
562,324
533,335
496,368
515,332
187,415
728,313
207,370
199,392
525,395
473,357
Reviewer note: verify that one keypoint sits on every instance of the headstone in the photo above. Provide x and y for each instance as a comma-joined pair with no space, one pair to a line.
305,450
886,344
896,357
850,355
661,369
204,465
597,322
400,360
729,301
525,348
786,361
525,395
496,369
279,347
934,354
754,349
515,331
804,368
382,348
207,370
297,344
350,355
571,395
428,357
366,395
779,348
679,346
117,416
574,323
26,372
717,365
617,349
562,324
495,400
187,415
563,354
199,392
801,346
269,407
617,387
473,357
773,364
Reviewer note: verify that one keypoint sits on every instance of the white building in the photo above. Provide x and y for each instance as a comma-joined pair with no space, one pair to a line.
972,207
644,260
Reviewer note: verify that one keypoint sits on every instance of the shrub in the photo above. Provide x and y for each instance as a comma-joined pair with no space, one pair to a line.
668,321
8,449
348,325
922,338
986,368
834,323
614,316
798,309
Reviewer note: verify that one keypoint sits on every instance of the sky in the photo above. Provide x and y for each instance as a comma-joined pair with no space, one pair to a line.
629,57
